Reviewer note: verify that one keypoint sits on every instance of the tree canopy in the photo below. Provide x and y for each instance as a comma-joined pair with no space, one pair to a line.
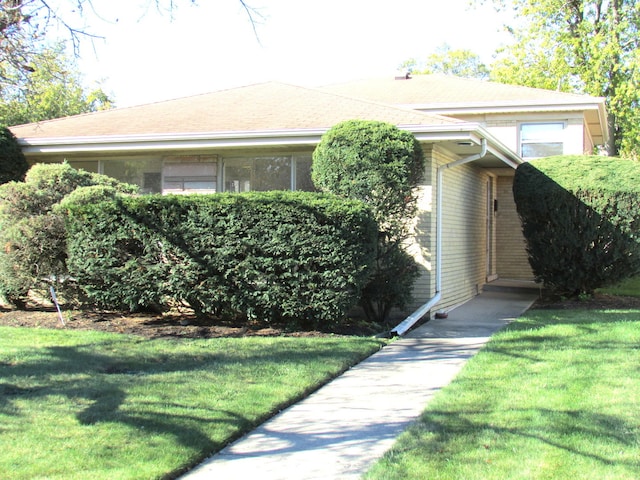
54,89
580,46
458,62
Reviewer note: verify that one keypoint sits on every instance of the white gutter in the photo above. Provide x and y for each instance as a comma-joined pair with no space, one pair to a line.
412,319
141,143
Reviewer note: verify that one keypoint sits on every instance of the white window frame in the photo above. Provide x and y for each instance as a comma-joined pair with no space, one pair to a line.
551,136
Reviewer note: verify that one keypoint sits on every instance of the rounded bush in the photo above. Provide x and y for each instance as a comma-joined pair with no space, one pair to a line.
32,229
371,161
381,165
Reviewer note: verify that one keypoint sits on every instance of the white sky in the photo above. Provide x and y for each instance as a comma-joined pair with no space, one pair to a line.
146,57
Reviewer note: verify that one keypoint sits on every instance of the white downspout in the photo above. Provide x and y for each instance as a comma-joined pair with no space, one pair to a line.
412,319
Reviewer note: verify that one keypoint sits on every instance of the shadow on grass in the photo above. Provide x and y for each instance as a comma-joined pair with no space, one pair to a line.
536,332
572,431
579,340
97,383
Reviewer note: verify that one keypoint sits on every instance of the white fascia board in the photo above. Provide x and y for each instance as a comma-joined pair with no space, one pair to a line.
516,107
142,143
465,131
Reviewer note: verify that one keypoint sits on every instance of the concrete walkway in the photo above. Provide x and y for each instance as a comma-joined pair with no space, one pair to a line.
342,429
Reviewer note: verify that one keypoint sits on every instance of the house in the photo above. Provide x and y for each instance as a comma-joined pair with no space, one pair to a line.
261,137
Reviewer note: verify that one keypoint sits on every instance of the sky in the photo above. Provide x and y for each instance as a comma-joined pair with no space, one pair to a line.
148,56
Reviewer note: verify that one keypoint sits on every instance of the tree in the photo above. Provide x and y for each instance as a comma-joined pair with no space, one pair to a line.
52,90
461,63
580,46
381,165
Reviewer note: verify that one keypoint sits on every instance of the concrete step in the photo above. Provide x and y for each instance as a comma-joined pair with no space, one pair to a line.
514,286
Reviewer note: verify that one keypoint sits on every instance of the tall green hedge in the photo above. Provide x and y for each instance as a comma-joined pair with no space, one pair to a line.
581,220
272,256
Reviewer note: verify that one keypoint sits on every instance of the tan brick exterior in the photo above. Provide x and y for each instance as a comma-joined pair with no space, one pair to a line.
464,234
512,260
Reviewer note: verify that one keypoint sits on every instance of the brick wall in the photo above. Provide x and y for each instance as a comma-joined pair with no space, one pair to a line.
511,258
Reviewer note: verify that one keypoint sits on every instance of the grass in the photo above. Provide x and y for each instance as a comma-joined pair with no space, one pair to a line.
554,396
629,287
78,405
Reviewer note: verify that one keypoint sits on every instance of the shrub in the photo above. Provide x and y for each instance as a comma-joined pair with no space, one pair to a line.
13,165
272,256
380,165
580,218
32,230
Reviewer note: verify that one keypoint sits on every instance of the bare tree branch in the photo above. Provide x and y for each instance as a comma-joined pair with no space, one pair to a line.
25,24
253,14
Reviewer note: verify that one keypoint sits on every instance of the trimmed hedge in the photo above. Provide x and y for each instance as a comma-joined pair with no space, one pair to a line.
273,256
372,161
32,229
581,218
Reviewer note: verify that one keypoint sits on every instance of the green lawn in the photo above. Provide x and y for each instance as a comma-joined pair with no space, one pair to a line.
630,287
90,405
554,396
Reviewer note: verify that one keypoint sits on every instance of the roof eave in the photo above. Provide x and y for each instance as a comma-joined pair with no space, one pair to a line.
457,132
467,131
505,107
173,141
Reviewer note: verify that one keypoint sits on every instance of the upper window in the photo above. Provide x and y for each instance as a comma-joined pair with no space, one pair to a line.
541,139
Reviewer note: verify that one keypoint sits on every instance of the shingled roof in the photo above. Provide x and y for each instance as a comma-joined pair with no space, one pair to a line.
438,90
255,108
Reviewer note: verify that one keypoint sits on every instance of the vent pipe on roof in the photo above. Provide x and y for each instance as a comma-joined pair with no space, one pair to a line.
406,76
412,319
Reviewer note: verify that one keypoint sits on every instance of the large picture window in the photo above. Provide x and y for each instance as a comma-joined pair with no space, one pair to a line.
264,173
541,139
142,172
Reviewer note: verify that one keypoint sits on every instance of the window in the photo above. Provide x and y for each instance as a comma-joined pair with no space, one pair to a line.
195,174
303,174
541,139
264,173
86,165
142,172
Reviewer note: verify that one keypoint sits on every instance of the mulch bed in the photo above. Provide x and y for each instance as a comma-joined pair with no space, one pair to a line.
186,325
149,325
